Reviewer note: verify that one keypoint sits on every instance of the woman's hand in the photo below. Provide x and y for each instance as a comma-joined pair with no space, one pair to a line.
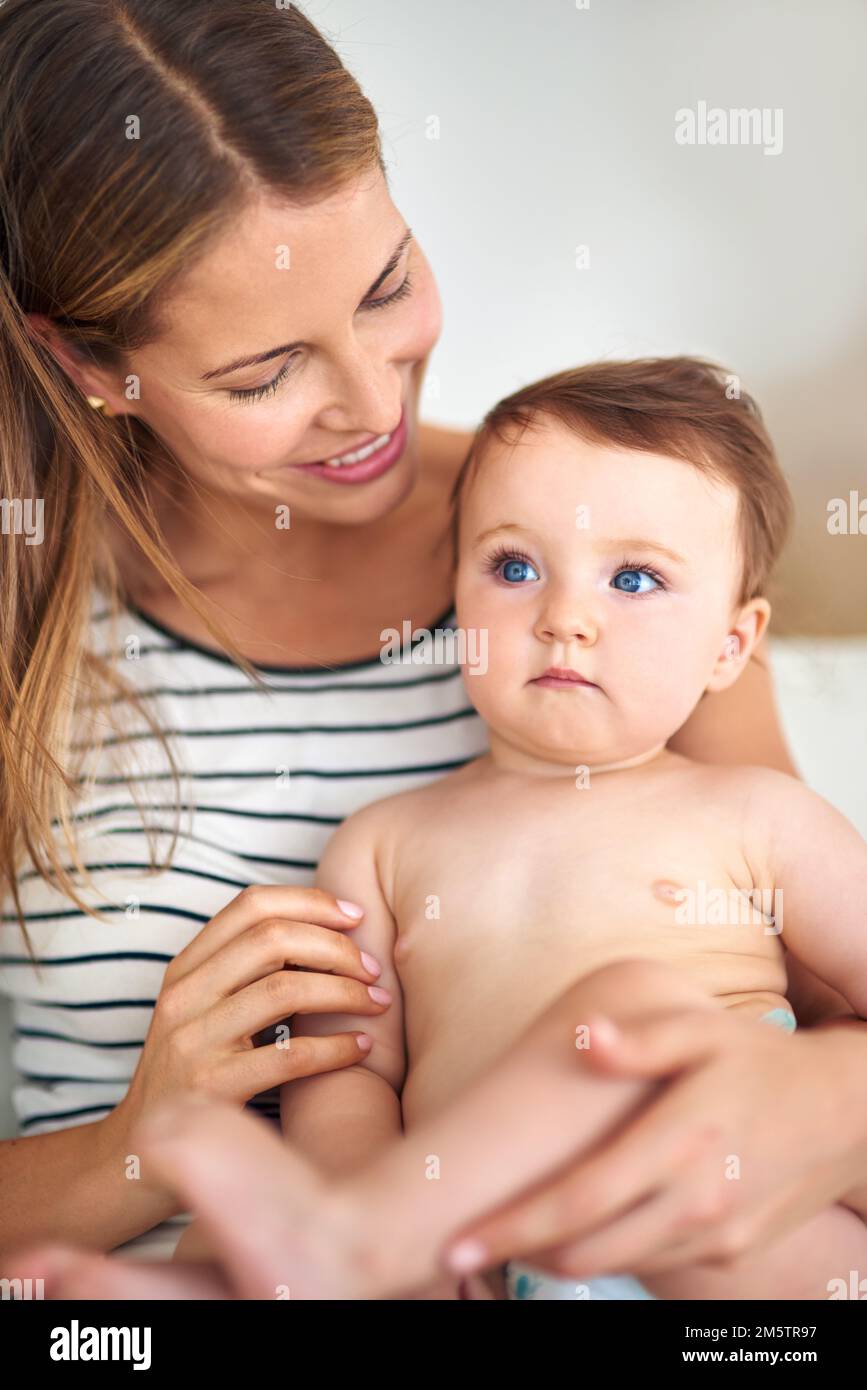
271,952
755,1131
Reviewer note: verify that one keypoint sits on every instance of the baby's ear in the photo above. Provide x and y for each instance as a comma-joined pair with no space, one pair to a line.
740,641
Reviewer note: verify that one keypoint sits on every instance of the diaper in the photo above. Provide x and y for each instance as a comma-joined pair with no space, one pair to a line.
523,1281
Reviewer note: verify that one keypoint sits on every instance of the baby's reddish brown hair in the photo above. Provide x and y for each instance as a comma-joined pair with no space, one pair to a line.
684,407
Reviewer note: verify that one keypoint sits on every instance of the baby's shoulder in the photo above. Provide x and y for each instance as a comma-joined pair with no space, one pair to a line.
747,788
398,815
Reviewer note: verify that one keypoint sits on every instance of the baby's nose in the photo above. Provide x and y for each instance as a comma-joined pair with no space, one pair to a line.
567,622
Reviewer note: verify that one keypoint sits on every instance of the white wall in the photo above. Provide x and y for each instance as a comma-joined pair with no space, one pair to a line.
557,129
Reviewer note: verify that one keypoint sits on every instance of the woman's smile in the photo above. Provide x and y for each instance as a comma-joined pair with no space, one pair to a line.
364,464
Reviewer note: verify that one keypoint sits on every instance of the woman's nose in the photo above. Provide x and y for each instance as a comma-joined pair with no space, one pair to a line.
365,392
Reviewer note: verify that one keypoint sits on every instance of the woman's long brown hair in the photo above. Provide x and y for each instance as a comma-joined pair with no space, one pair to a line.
132,132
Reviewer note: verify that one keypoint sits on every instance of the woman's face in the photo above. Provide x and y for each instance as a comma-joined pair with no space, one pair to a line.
346,310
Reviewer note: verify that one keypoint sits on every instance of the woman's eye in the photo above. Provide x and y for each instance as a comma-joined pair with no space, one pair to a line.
635,582
258,393
402,291
517,571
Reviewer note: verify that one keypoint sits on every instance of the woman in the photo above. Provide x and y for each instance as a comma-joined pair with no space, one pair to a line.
210,306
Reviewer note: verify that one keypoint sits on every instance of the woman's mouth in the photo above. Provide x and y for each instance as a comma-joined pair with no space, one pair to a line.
364,464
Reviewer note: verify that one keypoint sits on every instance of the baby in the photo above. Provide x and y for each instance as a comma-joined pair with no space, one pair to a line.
615,528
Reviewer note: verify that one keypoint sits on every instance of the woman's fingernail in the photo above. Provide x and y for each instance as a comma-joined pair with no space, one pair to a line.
379,996
350,909
364,1040
371,965
466,1256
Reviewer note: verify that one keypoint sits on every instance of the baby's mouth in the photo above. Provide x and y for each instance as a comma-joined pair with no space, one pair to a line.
563,678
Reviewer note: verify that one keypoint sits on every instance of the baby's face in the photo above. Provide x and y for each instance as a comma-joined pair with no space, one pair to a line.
615,566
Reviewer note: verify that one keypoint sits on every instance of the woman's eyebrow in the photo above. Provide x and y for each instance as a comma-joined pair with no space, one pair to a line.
290,347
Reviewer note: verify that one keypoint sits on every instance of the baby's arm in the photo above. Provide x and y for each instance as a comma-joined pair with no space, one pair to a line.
341,1119
818,861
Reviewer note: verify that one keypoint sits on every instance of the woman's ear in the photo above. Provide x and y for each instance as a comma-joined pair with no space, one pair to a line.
88,378
747,630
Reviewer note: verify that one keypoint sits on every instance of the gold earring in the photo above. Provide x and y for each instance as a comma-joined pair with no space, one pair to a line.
99,404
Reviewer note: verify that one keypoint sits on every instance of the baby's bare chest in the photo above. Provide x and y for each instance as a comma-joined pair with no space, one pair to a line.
500,909
575,875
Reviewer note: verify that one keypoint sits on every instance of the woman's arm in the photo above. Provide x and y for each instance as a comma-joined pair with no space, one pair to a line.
738,725
78,1184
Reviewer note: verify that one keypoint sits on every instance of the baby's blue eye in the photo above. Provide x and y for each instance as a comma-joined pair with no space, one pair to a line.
517,571
631,582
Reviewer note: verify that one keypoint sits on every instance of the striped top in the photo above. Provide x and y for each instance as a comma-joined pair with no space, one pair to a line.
266,776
